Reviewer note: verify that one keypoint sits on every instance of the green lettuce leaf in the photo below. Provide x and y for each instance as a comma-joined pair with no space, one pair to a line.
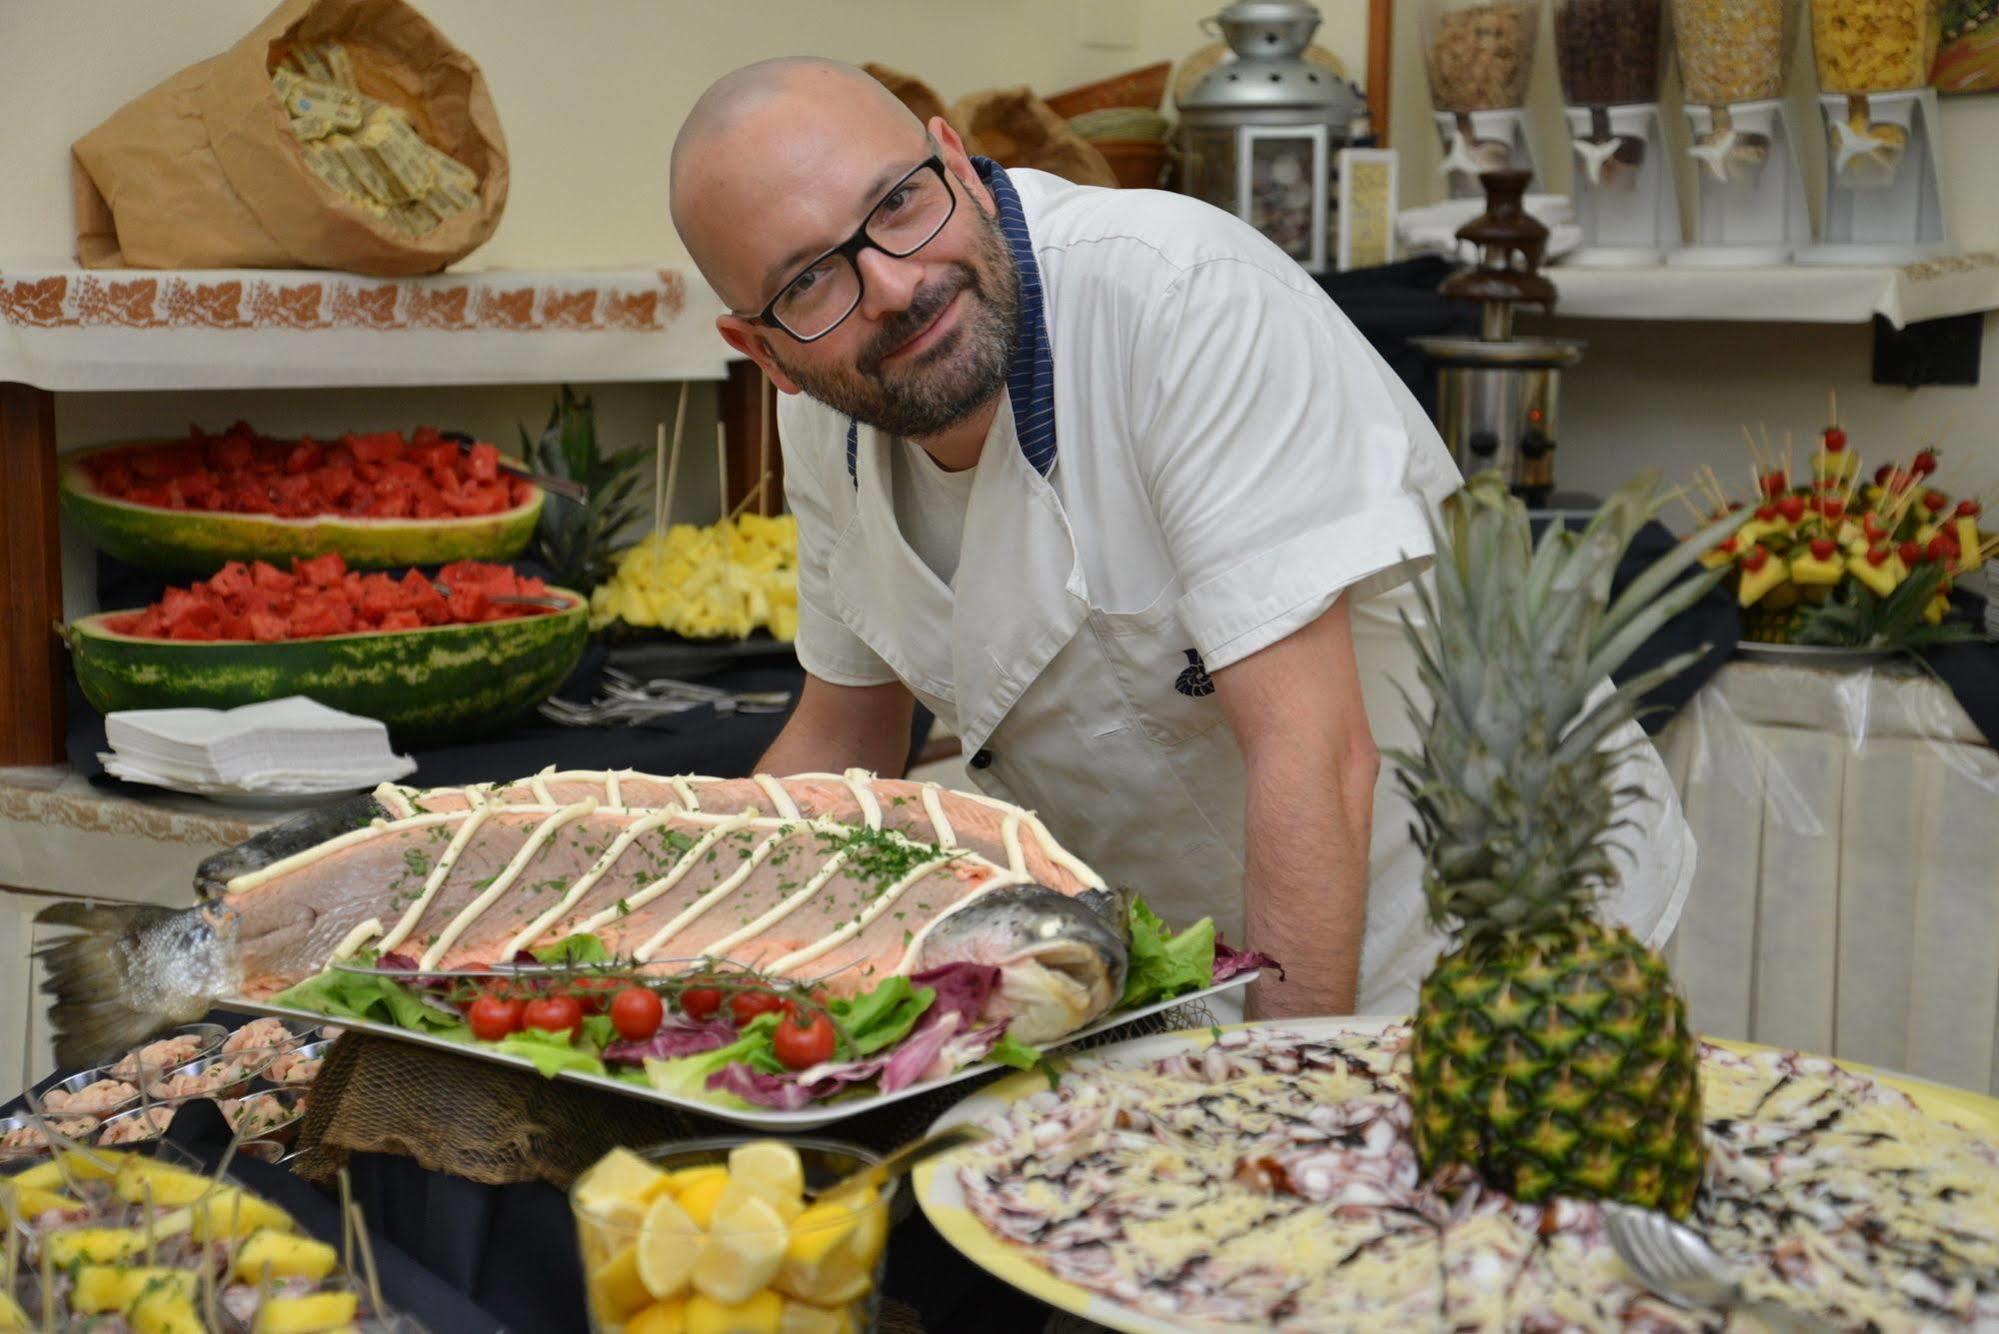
1012,1051
883,1016
598,1031
687,1076
344,995
551,1053
581,948
1165,964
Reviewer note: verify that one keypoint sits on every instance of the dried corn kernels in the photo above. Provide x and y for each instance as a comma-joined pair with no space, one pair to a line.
1875,46
1731,50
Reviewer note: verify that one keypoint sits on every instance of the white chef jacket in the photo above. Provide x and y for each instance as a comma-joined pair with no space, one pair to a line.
1211,456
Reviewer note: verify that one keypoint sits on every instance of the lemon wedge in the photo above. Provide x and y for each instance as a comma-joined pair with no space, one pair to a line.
616,1289
823,1227
838,1277
759,1313
670,1245
688,1177
660,1318
770,1168
700,1199
746,1244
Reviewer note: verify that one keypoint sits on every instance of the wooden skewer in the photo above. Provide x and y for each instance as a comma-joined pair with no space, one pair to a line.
368,1263
1680,494
1755,454
663,490
767,401
722,467
756,493
1832,407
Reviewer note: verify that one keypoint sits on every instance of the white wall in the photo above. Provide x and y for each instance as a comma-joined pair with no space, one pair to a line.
1675,396
589,93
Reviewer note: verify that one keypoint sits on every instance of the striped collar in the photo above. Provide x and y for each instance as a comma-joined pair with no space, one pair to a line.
1030,380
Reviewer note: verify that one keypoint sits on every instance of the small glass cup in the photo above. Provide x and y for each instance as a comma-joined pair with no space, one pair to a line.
817,1272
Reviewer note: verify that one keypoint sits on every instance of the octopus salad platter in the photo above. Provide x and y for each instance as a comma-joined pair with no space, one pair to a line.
1265,1177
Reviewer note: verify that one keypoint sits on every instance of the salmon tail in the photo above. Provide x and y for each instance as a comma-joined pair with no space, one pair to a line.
127,972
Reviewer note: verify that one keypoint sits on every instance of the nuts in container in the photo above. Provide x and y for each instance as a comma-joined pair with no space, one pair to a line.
1732,50
1875,46
1608,51
1479,55
365,149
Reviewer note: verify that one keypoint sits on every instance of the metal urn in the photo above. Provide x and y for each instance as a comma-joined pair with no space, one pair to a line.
1498,394
1258,133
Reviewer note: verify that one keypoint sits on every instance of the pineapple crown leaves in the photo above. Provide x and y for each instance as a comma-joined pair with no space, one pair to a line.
1516,811
1858,618
575,541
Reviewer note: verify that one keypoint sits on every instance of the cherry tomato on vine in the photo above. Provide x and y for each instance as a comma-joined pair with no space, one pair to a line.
700,1002
803,1041
595,993
635,1013
747,1005
553,1014
493,1017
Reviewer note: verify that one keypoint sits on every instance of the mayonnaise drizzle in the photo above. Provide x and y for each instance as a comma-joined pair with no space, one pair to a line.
393,799
685,791
777,914
358,937
407,922
532,931
539,786
633,902
722,888
780,800
854,926
941,832
862,784
504,880
611,794
373,829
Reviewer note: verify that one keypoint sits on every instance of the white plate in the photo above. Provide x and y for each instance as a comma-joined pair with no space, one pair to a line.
276,792
805,1118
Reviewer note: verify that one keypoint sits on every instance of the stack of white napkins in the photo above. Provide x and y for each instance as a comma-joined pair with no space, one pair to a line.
283,747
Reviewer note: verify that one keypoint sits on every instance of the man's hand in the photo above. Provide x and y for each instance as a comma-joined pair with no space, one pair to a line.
836,728
1297,713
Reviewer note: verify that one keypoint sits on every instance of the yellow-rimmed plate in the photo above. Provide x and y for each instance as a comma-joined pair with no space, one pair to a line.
943,1198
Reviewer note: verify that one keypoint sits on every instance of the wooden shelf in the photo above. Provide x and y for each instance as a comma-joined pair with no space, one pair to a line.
1799,293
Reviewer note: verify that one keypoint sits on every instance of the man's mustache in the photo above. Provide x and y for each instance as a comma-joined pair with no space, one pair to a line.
910,321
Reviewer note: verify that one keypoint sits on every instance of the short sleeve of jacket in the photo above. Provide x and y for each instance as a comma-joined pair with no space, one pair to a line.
1282,467
826,647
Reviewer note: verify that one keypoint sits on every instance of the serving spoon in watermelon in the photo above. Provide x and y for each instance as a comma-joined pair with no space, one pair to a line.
556,486
511,599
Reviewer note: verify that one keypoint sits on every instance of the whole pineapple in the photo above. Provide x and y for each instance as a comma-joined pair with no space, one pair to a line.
576,541
1550,1052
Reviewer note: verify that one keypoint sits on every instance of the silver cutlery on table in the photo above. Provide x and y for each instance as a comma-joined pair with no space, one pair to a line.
628,700
1676,1263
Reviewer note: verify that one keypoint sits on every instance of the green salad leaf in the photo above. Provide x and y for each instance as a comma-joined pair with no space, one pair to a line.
345,995
1165,963
882,1017
688,1075
581,948
552,1053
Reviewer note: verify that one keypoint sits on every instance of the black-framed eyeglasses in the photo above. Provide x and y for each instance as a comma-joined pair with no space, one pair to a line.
826,291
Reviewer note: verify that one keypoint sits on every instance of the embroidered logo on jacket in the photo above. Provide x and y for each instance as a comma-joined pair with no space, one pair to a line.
1194,681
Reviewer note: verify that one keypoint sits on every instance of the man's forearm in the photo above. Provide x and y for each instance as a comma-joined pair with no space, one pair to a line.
836,728
1306,831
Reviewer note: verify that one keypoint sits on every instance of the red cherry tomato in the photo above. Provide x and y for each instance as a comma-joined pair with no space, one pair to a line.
595,993
553,1014
700,1002
801,1042
493,1017
635,1013
747,1005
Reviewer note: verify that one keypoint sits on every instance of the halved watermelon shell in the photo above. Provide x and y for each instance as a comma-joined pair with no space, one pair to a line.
202,541
439,683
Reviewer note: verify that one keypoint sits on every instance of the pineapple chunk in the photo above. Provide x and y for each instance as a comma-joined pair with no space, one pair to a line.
165,1311
281,1255
31,1201
1881,578
1828,464
13,1320
93,1245
102,1288
1809,570
1938,608
142,1179
94,1165
306,1315
230,1212
1967,545
1753,584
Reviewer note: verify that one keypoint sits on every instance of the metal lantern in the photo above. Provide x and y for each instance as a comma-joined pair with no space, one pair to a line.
1258,133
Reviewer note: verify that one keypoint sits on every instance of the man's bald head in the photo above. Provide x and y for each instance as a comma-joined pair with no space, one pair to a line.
773,118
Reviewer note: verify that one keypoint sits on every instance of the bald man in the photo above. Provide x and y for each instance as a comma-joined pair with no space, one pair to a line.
1104,480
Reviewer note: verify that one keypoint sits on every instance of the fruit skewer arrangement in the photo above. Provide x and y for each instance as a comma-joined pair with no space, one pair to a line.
1829,556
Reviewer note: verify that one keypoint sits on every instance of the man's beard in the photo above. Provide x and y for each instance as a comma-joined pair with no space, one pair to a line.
940,387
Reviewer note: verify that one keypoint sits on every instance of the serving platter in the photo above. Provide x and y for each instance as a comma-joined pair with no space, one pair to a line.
942,1198
1817,655
805,1118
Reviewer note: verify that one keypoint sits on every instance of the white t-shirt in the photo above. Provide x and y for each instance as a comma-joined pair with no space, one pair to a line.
930,507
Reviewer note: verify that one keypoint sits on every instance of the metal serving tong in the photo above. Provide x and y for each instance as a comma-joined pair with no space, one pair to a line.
557,486
631,701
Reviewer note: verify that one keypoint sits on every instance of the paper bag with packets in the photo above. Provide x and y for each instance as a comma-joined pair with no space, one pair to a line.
338,134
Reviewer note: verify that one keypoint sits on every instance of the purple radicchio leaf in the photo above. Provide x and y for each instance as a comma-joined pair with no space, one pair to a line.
1230,961
677,1036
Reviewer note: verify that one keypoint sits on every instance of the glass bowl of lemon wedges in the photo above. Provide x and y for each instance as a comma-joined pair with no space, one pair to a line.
725,1236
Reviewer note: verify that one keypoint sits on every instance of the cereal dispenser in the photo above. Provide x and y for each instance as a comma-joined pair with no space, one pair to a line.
1497,393
1884,192
1480,54
1751,205
1609,53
